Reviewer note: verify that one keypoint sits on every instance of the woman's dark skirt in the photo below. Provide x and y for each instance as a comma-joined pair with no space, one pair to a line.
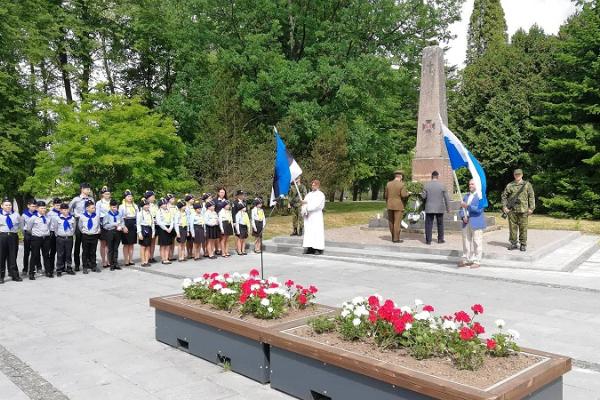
243,232
199,236
131,236
146,236
259,228
183,231
212,232
227,228
165,238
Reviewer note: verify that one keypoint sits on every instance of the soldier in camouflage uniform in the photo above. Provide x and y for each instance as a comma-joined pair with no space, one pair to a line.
518,202
295,204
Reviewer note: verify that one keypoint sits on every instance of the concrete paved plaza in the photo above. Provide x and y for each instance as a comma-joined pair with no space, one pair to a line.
92,336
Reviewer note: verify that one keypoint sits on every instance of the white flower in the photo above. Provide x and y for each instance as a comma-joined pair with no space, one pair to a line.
245,276
360,311
270,309
418,302
227,291
229,280
358,300
423,315
356,321
198,280
449,325
187,282
407,326
500,323
513,334
265,302
218,286
345,313
219,278
433,326
312,300
406,309
254,287
272,279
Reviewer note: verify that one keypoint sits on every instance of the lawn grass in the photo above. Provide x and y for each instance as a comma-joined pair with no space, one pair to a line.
349,213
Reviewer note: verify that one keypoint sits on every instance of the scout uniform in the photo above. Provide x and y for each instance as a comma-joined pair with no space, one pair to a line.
198,224
112,223
128,213
10,222
27,214
164,220
519,198
258,219
145,227
77,207
89,226
182,222
64,228
226,221
53,213
296,207
242,222
39,227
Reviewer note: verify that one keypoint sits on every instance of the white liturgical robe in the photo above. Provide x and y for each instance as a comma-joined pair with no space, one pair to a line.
314,228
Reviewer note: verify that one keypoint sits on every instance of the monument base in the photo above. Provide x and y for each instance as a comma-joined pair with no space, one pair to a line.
423,167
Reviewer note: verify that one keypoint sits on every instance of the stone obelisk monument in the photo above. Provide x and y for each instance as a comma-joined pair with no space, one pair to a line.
431,154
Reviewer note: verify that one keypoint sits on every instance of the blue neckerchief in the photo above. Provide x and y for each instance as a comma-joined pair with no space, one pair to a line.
66,225
56,211
90,223
30,214
9,222
43,217
115,215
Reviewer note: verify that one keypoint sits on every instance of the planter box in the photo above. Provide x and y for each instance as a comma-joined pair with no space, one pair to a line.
331,373
219,338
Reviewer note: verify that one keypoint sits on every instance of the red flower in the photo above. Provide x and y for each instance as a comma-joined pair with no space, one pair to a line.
299,287
243,298
206,275
373,302
273,285
466,333
289,283
226,275
491,344
428,308
313,289
261,293
302,299
478,328
372,317
399,326
254,272
214,275
477,308
462,316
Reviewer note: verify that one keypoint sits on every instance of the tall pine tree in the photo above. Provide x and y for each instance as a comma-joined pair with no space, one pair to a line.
487,28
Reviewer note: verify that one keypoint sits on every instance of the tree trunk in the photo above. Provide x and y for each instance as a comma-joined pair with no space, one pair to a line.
374,191
63,61
292,28
332,196
355,192
84,85
341,195
109,79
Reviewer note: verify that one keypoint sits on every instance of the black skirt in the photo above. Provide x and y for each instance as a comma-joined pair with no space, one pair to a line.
259,228
212,232
131,236
165,238
199,236
243,232
146,236
183,232
227,228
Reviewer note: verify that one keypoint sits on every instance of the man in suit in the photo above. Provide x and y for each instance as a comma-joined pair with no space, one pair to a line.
473,219
395,196
436,202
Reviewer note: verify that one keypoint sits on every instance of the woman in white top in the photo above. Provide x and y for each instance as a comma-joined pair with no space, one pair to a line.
258,223
145,232
128,210
226,225
165,221
102,208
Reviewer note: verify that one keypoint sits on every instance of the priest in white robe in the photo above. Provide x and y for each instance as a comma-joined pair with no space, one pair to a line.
314,228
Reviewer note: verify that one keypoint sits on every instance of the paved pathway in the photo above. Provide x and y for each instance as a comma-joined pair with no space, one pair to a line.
92,336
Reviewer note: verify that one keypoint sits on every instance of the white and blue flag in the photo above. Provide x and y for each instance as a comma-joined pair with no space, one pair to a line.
286,170
461,157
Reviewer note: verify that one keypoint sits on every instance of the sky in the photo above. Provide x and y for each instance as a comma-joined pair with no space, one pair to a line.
549,14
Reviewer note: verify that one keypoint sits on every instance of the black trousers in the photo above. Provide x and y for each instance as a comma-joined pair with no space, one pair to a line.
40,250
52,249
9,244
113,238
429,226
27,253
89,243
64,248
77,248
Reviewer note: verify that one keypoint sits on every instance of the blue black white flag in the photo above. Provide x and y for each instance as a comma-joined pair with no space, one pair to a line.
461,157
286,170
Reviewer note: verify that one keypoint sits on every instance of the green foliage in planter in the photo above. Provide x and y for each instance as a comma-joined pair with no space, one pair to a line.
273,307
224,301
466,354
322,324
505,346
424,342
197,292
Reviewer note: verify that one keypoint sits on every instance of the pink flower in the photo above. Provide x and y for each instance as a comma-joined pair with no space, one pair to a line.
490,344
477,308
313,289
399,326
466,333
428,308
478,328
462,316
373,301
302,299
243,298
289,283
372,317
254,272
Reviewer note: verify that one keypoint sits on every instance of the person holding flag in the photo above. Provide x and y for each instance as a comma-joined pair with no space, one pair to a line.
473,203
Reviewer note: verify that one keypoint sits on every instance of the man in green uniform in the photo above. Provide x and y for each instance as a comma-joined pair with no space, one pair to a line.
295,204
518,202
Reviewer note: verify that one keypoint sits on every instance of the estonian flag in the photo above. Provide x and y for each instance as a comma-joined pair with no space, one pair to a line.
461,157
286,170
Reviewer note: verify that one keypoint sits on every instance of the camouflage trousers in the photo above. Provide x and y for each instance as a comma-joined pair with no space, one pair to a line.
517,226
297,218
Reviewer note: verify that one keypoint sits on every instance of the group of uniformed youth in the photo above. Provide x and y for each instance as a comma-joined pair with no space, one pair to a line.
57,234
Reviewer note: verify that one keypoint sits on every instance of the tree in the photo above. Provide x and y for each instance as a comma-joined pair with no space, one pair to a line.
568,181
110,140
487,28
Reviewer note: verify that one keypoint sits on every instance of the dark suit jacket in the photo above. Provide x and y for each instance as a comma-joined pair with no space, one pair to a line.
395,195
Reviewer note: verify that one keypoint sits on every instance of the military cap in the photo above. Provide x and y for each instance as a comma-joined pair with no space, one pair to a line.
518,171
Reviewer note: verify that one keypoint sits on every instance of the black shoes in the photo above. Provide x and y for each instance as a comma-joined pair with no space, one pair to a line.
77,268
513,246
49,274
318,252
1,281
523,247
85,270
32,277
309,250
70,271
294,233
440,241
429,243
152,260
96,269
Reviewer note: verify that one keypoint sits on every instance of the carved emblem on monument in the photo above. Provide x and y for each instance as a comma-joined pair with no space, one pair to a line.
428,126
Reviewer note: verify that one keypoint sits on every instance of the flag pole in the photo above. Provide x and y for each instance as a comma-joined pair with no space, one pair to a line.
298,190
457,185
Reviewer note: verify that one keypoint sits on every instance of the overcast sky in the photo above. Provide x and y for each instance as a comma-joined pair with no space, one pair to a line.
549,14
